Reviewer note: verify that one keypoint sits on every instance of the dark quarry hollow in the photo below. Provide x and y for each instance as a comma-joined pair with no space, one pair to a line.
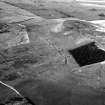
88,54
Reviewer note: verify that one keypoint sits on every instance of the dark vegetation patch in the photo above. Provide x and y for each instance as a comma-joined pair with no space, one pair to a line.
1,73
19,101
4,28
10,54
77,25
5,67
33,28
30,101
19,49
101,15
17,59
93,9
87,54
19,62
11,77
